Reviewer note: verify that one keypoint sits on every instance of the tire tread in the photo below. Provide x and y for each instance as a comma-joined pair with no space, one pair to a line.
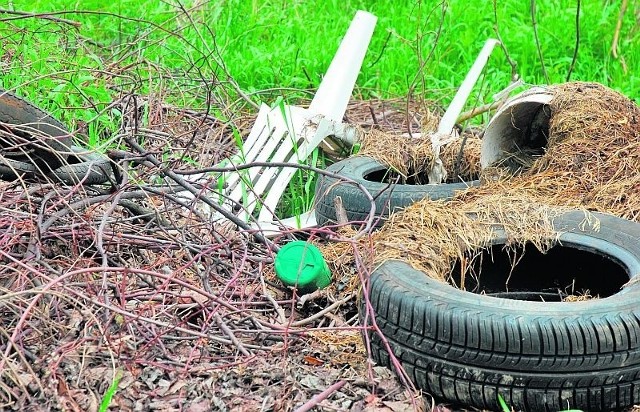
456,346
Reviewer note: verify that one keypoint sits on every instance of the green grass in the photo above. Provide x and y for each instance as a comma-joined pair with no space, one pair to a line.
271,44
282,48
111,390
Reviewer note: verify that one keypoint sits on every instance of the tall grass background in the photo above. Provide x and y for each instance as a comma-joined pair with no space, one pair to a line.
425,47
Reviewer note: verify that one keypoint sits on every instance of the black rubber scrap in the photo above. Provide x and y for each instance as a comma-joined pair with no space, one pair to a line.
467,348
388,197
55,155
48,153
10,167
84,167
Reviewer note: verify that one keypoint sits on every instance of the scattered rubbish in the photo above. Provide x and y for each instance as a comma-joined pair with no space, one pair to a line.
390,191
34,143
416,170
517,133
300,264
454,337
525,247
445,132
83,166
290,134
31,135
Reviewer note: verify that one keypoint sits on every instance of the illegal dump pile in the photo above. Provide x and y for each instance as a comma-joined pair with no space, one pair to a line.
590,159
130,279
551,157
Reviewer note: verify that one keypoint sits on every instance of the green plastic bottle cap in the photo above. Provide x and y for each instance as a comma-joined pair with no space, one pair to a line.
301,264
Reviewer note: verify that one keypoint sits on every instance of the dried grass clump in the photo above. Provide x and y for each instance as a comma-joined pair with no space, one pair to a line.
342,347
432,236
340,257
465,164
592,126
395,150
412,157
591,162
592,158
429,235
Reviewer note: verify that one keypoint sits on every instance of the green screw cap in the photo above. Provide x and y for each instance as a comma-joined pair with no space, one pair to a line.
301,264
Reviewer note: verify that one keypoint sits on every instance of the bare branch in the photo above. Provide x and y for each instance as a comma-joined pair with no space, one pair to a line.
496,30
44,16
577,46
616,35
538,46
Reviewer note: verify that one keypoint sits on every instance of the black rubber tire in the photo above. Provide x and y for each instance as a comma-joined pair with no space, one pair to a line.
47,154
10,168
388,198
88,168
467,348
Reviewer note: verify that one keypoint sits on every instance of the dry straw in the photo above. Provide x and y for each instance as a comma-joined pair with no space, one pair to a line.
591,162
412,157
592,159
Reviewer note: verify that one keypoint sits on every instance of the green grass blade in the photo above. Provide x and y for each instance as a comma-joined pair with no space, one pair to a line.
503,404
106,399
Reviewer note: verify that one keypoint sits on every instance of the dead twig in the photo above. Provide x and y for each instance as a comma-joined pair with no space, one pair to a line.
341,213
577,46
189,187
496,30
223,327
323,312
423,61
43,16
616,35
313,402
469,114
534,22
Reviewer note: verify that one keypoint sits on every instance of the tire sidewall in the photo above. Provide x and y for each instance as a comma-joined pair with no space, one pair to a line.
388,197
466,348
618,238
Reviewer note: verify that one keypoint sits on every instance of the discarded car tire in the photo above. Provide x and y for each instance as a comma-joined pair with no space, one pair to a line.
467,348
47,154
10,168
86,167
388,197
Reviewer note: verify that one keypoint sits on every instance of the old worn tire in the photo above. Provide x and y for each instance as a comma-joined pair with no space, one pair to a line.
10,168
47,154
467,348
86,167
388,198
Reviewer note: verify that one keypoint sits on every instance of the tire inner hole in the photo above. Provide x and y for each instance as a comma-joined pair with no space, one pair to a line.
413,177
528,141
563,273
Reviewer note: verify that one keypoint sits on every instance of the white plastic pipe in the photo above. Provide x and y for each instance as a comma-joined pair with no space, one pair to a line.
337,85
449,118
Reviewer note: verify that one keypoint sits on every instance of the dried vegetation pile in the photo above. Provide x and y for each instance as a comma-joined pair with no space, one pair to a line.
591,161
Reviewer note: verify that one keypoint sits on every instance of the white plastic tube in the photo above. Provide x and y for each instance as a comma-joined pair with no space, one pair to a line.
449,118
336,87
